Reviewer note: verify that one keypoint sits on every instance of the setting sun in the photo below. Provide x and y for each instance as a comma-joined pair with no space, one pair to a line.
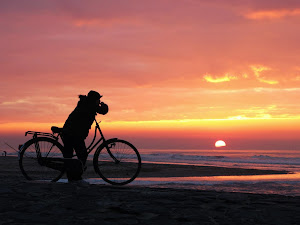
220,143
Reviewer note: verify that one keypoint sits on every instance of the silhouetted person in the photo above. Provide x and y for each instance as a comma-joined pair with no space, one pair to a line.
76,129
4,153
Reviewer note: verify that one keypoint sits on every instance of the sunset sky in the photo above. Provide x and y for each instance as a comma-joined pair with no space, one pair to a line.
175,73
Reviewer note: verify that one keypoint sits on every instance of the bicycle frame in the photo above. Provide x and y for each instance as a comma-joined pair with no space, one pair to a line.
90,148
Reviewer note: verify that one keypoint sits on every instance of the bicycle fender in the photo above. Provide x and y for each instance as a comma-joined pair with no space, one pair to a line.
112,139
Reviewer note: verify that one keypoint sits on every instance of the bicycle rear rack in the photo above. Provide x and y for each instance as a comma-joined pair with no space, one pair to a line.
35,134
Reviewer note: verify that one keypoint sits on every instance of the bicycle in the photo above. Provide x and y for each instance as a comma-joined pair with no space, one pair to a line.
116,161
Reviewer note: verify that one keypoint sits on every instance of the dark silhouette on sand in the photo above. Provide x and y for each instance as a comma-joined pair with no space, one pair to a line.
4,153
76,129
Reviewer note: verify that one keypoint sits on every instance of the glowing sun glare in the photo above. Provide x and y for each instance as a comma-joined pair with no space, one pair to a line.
220,143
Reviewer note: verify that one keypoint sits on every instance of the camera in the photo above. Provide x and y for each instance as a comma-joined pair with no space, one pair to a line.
103,108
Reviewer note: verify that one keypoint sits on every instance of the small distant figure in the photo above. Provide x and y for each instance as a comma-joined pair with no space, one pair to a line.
76,130
4,153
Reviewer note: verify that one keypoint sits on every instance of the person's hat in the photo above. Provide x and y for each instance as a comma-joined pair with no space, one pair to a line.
94,95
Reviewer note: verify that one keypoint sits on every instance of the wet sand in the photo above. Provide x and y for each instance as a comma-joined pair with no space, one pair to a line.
25,202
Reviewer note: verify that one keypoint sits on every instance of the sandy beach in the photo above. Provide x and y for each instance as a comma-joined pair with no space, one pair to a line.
25,202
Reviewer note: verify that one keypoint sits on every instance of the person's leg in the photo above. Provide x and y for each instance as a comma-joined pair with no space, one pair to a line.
68,146
71,170
81,152
80,149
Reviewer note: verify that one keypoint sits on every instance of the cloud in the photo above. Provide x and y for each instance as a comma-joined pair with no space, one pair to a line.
16,102
257,70
272,14
226,78
269,112
102,22
268,81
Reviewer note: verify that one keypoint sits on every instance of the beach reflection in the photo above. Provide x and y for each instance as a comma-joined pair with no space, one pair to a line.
284,184
269,177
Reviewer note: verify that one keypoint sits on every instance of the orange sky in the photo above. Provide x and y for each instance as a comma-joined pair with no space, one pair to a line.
187,72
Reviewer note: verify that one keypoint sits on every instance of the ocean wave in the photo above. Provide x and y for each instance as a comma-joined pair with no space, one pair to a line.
196,159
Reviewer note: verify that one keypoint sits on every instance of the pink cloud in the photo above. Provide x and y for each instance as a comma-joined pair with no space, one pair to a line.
273,14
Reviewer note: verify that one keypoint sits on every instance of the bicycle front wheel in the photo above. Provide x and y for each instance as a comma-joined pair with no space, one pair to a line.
118,162
41,159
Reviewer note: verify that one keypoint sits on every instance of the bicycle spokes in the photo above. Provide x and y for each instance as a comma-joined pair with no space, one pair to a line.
119,163
37,159
109,148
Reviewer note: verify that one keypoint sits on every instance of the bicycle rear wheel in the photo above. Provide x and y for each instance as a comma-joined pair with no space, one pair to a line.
41,159
118,162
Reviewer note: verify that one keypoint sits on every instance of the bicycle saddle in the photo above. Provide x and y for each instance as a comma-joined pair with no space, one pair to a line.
56,129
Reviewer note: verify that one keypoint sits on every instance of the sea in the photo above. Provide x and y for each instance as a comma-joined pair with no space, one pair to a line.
283,184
